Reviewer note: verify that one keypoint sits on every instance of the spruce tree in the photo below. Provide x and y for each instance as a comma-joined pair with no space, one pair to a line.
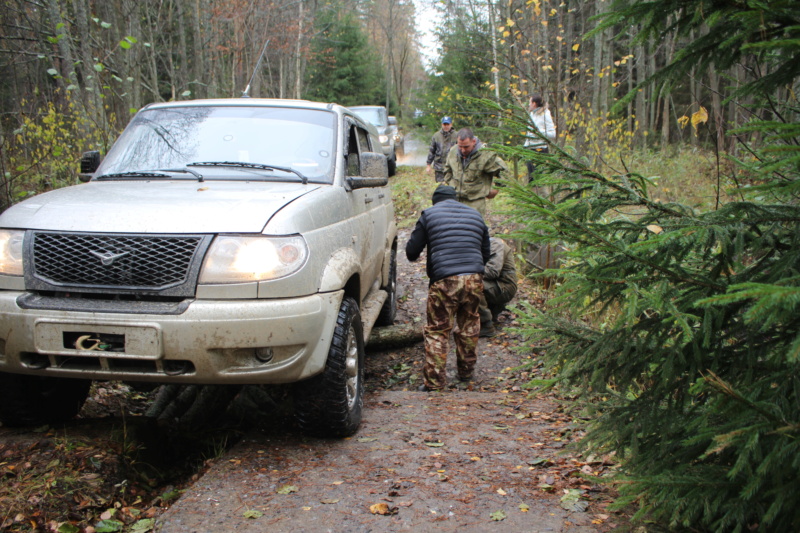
342,67
681,327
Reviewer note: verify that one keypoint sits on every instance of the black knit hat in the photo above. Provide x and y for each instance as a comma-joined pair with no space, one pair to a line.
443,192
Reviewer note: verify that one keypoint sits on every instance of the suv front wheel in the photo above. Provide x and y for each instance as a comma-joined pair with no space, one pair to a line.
330,404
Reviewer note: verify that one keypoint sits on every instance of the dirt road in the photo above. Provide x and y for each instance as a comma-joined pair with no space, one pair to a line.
473,460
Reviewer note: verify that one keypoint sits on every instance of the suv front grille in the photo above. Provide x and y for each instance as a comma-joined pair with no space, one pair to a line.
149,262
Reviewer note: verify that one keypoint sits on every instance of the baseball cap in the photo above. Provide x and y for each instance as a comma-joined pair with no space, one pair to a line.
447,120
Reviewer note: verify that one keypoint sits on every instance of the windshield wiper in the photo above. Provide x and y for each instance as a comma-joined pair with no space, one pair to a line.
194,173
132,174
239,164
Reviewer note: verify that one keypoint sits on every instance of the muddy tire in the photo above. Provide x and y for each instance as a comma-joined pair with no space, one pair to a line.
193,407
330,404
389,309
35,400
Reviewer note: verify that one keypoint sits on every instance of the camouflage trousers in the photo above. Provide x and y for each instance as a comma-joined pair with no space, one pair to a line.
452,301
495,298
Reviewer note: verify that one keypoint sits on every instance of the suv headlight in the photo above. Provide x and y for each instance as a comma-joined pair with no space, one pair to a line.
11,252
236,259
383,139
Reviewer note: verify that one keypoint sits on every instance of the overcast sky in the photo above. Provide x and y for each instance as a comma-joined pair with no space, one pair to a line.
426,22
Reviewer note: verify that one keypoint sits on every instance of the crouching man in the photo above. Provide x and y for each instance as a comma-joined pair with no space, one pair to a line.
499,285
458,248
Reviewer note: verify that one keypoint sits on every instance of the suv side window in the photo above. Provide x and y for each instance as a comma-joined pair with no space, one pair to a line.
357,142
363,140
353,161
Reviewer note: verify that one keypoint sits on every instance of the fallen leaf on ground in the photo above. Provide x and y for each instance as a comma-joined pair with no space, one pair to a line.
330,501
571,501
252,514
498,516
287,489
382,509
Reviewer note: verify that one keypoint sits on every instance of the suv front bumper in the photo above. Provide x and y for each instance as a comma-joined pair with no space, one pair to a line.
212,342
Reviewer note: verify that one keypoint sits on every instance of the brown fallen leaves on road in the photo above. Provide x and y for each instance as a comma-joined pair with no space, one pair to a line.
382,509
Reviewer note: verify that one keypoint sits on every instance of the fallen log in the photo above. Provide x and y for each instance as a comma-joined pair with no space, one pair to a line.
395,336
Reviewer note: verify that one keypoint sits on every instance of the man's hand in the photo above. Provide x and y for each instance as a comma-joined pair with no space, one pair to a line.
492,194
428,169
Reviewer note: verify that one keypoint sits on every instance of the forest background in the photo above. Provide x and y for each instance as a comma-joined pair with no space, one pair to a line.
671,191
76,70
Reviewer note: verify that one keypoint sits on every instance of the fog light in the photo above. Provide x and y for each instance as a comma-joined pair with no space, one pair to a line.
176,368
36,361
264,355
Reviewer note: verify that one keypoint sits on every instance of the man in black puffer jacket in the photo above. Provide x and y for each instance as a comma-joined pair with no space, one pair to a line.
458,248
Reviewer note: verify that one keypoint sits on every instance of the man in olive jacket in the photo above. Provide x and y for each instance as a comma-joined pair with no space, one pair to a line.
458,248
442,141
499,284
470,170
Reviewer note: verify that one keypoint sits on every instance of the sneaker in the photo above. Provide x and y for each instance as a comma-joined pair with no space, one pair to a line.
487,330
425,388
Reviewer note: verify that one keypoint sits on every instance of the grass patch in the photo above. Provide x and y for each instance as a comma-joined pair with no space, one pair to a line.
412,189
683,174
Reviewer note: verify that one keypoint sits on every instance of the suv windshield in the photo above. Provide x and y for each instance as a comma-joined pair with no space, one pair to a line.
372,115
171,138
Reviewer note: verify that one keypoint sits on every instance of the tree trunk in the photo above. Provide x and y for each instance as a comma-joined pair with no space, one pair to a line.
199,67
92,102
394,336
67,62
641,96
298,69
716,107
180,81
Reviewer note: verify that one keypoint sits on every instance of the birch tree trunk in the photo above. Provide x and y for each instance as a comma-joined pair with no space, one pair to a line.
199,66
298,61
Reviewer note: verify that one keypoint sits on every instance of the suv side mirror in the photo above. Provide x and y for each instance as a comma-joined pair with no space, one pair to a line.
90,161
374,171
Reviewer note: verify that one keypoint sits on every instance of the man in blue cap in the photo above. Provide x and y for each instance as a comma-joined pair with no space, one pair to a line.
441,143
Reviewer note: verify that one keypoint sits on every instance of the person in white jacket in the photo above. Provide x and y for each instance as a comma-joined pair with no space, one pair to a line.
545,130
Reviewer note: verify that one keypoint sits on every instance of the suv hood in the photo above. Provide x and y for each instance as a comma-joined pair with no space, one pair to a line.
170,206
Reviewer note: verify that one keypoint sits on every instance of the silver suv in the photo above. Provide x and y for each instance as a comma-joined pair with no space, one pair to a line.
379,117
238,241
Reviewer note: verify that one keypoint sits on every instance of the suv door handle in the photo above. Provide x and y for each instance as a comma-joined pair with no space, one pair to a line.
369,199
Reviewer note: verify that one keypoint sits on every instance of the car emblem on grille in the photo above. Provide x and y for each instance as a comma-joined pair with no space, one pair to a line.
107,258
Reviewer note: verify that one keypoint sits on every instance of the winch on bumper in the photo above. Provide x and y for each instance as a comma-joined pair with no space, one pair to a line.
212,341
